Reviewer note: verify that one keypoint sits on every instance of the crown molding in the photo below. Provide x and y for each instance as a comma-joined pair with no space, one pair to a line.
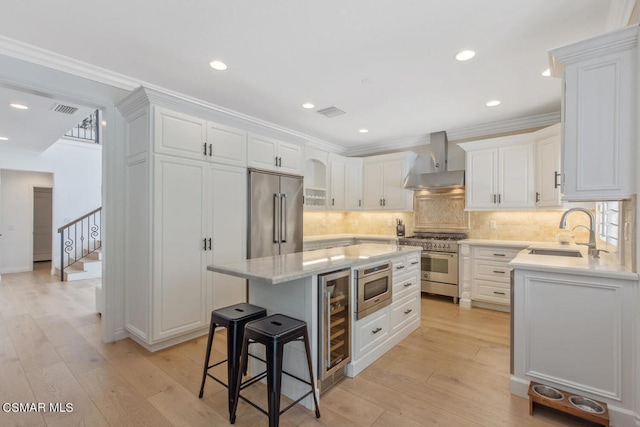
393,145
612,42
619,14
504,126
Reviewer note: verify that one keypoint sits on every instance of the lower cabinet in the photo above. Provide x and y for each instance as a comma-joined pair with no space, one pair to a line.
377,333
484,276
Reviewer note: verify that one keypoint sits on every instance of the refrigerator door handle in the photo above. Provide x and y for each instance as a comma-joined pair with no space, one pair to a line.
285,220
276,218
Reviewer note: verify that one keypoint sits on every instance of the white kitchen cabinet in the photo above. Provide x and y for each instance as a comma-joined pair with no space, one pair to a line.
500,173
353,184
316,179
600,111
484,276
383,181
548,172
181,214
337,183
271,154
182,135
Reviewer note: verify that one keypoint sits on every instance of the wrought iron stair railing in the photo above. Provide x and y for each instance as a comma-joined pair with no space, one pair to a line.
79,238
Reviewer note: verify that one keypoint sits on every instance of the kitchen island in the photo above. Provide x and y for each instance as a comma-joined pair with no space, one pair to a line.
288,284
574,326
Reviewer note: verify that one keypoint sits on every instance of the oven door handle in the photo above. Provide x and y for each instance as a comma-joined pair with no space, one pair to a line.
440,255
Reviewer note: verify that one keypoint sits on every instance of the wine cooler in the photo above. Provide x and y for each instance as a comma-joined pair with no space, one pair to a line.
335,327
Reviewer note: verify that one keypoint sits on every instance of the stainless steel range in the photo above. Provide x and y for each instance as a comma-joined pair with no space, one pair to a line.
439,261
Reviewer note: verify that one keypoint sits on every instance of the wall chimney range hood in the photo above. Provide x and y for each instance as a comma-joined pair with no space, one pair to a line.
441,177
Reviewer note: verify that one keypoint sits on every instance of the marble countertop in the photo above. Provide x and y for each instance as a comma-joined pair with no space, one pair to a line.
605,266
284,268
490,242
324,237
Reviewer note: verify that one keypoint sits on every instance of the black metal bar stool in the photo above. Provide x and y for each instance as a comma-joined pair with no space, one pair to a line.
234,318
274,332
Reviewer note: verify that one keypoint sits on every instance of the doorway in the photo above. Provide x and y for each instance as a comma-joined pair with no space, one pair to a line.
42,224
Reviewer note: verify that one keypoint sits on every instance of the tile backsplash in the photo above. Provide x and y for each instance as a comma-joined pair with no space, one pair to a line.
327,222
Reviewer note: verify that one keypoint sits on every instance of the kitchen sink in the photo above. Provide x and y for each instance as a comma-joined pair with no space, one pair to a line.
556,252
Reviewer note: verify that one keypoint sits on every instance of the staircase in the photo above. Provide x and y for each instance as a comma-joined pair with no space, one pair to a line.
88,267
81,248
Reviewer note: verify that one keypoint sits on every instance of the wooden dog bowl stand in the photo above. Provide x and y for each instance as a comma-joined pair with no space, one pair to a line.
565,406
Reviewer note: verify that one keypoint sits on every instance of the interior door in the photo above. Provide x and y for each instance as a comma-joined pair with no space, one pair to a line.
291,207
42,223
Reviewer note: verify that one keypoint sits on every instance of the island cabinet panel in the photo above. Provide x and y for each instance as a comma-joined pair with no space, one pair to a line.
600,111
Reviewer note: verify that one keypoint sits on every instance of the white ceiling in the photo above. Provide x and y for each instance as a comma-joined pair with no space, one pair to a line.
388,63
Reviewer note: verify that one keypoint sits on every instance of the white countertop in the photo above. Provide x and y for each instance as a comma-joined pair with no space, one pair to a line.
324,237
605,266
284,268
490,242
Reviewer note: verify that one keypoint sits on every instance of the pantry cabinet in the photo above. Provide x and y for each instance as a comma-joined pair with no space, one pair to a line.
383,181
181,214
182,135
271,154
600,111
500,173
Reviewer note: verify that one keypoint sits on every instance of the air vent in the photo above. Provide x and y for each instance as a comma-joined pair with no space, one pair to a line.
64,109
331,112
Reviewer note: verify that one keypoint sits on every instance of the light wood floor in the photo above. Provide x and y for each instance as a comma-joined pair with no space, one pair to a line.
453,371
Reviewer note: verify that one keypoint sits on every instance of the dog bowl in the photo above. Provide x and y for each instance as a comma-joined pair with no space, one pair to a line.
586,404
547,392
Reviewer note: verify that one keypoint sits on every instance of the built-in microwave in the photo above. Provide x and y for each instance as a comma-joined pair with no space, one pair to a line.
374,287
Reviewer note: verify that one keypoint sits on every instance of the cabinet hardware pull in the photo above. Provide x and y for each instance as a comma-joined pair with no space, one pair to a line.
359,203
415,262
408,311
333,202
209,243
204,244
276,164
499,293
380,202
493,197
210,150
204,144
376,330
499,198
556,184
537,197
280,161
499,255
399,267
406,285
498,271
384,202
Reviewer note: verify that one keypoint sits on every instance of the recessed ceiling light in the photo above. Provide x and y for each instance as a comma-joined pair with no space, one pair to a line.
19,106
546,73
493,103
3,138
465,55
308,105
363,130
218,65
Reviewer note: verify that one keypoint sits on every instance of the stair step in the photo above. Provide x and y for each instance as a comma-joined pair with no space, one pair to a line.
97,254
89,265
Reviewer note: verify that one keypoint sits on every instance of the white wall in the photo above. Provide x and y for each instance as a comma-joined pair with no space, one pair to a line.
76,168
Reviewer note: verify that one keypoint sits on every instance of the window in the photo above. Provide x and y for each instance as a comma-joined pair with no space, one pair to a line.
607,217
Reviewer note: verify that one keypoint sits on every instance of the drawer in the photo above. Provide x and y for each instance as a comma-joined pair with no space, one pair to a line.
491,270
491,293
495,253
399,265
372,331
413,261
404,312
405,286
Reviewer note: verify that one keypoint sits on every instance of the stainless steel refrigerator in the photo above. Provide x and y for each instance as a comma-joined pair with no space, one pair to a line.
275,214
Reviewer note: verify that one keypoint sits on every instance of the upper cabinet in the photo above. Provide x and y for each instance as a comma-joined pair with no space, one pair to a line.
337,182
599,113
383,181
271,154
182,135
316,166
499,173
353,184
548,172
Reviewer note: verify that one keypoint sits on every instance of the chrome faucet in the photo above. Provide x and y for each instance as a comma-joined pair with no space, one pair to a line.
593,251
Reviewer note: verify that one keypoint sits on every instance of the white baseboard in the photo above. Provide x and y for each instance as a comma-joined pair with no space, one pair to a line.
20,269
